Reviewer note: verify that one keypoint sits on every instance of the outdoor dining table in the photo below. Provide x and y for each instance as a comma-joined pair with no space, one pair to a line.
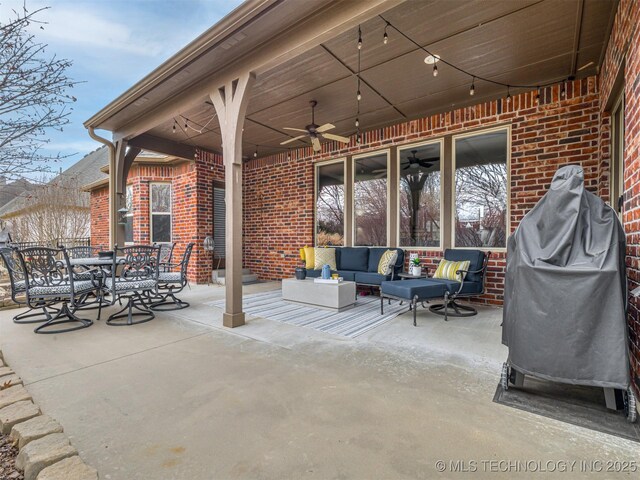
93,261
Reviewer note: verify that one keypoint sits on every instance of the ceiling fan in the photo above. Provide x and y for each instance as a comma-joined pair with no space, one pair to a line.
415,162
314,131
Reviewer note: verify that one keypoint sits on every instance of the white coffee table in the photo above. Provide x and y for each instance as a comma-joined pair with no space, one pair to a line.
337,297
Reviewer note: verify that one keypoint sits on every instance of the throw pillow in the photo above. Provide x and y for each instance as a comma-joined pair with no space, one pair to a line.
387,261
447,270
309,258
325,256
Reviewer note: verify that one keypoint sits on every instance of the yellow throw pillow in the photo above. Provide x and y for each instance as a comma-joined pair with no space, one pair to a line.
447,270
387,261
325,256
309,258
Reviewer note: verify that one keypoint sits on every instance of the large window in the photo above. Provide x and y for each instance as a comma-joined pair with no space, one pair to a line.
419,198
481,189
160,212
370,199
330,195
128,217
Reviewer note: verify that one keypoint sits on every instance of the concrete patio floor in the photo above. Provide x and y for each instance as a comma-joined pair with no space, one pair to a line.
183,398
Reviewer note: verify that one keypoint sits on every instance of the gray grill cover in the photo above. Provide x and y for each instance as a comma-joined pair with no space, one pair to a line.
565,289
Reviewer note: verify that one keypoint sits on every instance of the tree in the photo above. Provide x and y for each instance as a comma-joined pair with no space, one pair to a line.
55,210
33,97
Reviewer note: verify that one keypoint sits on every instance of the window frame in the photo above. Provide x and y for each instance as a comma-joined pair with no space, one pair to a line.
407,146
617,147
371,153
316,167
129,214
452,226
152,213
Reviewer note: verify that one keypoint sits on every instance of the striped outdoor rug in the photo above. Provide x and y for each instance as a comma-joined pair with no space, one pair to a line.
355,321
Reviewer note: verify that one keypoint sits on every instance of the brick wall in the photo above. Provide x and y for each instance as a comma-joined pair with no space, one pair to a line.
192,207
555,131
623,51
100,217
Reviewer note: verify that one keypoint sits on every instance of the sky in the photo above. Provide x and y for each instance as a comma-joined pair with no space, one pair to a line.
112,44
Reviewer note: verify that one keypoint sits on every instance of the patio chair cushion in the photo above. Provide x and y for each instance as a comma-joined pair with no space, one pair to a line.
475,257
62,289
170,277
123,285
19,286
371,278
422,288
86,275
354,259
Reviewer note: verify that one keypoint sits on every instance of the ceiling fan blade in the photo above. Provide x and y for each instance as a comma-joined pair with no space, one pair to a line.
337,138
316,144
325,127
407,167
299,137
294,129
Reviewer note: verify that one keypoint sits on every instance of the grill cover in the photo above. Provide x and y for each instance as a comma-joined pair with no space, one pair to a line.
566,290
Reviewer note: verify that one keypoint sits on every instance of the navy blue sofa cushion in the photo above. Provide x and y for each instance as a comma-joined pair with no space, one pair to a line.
354,259
475,257
371,278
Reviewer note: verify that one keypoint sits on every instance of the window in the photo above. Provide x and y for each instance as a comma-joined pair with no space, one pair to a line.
370,175
128,217
160,212
419,195
480,189
330,195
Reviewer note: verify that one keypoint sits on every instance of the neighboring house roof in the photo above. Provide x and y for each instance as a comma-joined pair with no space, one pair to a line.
87,170
9,191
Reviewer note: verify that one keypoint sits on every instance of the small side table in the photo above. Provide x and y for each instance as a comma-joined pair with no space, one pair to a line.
408,276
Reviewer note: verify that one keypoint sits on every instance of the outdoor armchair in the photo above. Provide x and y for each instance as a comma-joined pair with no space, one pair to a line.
17,281
171,282
48,281
134,277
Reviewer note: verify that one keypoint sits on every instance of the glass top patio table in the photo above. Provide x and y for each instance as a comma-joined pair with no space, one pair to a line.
93,261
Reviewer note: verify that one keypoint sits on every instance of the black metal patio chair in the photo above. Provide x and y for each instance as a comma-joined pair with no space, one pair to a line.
134,277
17,281
172,282
48,282
166,254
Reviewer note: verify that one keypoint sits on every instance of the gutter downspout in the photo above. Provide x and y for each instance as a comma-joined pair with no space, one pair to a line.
113,199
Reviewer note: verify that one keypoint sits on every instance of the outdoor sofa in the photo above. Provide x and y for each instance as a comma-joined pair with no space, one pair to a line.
360,265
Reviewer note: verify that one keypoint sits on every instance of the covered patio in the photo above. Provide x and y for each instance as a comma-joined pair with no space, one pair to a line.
183,397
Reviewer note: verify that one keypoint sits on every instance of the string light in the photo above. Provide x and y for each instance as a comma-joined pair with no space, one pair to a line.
508,94
359,39
537,95
359,96
357,122
432,58
186,123
472,90
255,154
562,89
385,37
175,123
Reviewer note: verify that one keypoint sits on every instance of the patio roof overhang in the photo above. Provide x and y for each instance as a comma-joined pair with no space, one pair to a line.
301,51
242,81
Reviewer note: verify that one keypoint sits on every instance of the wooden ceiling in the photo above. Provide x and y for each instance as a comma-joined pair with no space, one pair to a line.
512,41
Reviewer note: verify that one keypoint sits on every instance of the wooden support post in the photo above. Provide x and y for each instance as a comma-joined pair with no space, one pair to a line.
116,231
230,102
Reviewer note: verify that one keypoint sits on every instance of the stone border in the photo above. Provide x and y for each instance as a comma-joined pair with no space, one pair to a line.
45,452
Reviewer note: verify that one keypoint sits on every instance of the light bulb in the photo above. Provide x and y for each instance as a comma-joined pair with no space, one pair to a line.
472,90
359,95
174,127
385,38
255,154
359,43
186,124
435,70
357,122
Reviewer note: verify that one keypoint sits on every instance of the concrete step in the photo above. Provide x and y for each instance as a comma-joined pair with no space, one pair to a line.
247,277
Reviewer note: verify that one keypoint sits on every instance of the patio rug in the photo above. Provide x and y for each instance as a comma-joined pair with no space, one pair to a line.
577,405
355,321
